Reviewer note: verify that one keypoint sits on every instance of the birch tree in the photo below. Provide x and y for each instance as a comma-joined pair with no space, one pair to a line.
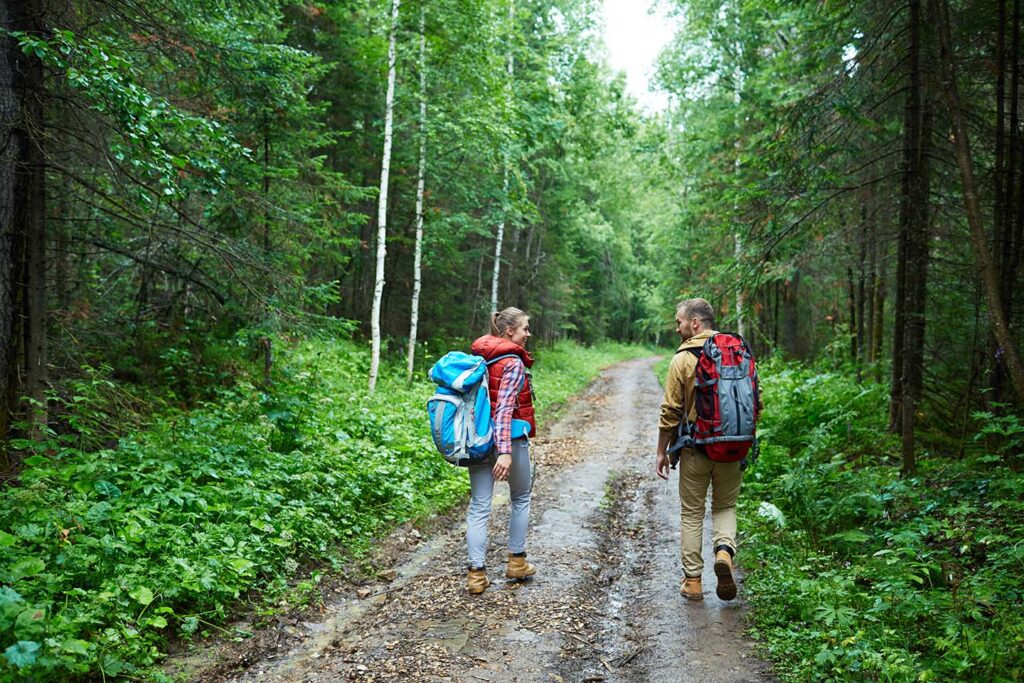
420,182
510,66
738,76
382,198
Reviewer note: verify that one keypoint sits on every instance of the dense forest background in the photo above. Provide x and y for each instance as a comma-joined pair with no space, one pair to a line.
186,177
192,190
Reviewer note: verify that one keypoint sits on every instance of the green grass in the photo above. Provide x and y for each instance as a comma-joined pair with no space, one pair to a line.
105,554
870,576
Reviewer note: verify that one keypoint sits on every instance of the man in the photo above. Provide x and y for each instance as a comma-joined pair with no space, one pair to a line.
695,321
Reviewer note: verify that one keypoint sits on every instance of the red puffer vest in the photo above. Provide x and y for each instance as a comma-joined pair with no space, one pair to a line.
490,347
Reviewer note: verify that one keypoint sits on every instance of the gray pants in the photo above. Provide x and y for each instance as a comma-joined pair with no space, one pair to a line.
481,485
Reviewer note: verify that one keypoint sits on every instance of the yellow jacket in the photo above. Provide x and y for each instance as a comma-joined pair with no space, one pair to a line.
679,392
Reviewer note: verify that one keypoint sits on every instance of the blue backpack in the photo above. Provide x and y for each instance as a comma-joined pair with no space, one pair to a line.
460,409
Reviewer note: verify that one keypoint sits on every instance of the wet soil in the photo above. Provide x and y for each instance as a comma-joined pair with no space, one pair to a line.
604,605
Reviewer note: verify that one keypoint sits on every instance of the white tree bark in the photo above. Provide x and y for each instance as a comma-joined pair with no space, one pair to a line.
499,239
738,77
510,65
420,182
741,326
382,199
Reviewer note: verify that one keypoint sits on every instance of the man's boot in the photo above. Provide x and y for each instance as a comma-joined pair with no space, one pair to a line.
477,581
691,588
518,568
726,589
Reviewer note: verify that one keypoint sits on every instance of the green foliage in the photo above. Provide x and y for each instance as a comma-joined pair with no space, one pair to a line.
874,577
119,547
1005,430
105,554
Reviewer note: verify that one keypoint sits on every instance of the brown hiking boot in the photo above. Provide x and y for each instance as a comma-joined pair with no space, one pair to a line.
726,589
691,589
518,568
477,581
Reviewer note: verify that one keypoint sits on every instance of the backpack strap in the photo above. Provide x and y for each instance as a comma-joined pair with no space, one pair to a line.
510,355
501,357
684,433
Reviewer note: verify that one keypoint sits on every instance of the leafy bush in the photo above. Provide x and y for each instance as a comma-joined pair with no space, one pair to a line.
106,553
874,577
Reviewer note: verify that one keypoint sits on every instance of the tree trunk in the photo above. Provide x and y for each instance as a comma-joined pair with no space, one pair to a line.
911,134
861,289
499,239
32,228
266,187
738,83
420,182
62,246
1000,122
871,239
12,145
979,242
741,325
878,304
851,326
1005,227
382,198
776,316
510,66
917,277
1000,146
790,315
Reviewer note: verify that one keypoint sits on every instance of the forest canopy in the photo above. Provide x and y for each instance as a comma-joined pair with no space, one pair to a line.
842,180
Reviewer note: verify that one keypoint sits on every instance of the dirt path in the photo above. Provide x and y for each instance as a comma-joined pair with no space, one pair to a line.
605,603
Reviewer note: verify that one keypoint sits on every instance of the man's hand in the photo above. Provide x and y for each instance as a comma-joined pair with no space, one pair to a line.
501,467
662,466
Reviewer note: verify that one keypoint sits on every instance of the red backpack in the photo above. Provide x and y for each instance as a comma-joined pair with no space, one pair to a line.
728,401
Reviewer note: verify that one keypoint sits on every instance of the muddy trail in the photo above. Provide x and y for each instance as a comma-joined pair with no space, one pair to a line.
604,605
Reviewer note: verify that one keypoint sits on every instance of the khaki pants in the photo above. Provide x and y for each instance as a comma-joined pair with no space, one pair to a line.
696,471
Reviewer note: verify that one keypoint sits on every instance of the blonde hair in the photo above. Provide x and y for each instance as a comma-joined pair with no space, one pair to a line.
507,319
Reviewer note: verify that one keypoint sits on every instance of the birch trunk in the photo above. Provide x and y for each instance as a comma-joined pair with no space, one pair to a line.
420,181
739,77
979,242
741,326
382,199
498,240
507,161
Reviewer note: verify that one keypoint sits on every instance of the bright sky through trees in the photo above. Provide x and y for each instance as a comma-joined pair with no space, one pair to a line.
635,33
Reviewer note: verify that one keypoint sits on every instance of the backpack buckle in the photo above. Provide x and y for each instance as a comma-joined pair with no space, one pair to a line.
684,439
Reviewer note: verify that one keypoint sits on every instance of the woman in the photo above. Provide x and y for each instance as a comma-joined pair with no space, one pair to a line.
512,409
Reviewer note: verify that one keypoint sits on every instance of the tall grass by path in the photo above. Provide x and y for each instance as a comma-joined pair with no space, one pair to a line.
106,554
867,575
856,573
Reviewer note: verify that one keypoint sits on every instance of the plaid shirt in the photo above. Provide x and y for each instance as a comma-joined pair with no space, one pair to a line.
508,391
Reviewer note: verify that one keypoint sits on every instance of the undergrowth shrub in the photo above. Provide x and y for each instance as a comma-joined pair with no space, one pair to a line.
867,575
104,554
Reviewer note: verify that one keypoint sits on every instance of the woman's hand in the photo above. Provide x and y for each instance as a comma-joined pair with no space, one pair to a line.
501,467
